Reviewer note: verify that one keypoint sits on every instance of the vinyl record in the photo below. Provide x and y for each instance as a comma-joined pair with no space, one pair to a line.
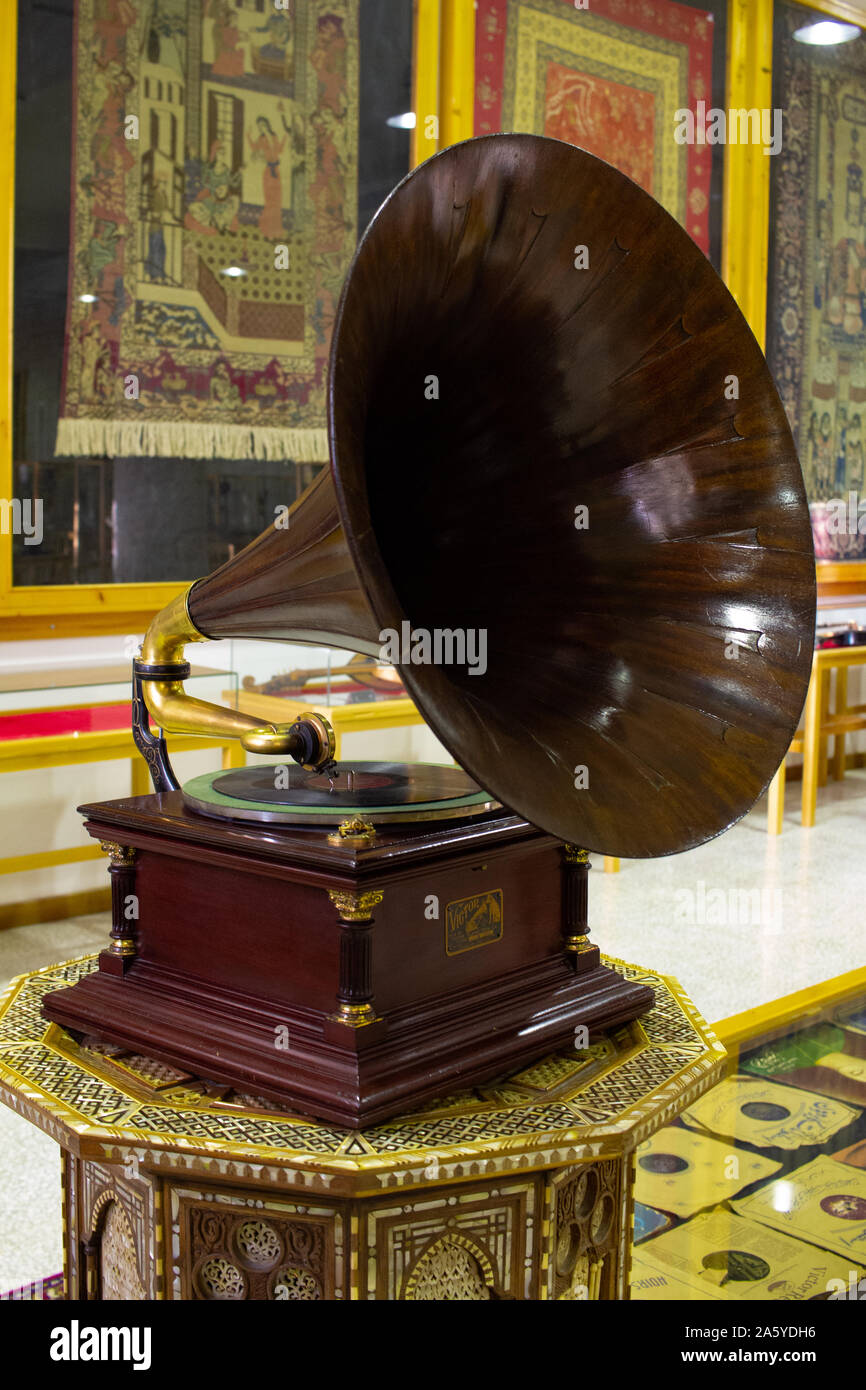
287,794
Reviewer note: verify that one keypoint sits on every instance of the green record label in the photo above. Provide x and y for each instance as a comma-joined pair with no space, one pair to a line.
472,922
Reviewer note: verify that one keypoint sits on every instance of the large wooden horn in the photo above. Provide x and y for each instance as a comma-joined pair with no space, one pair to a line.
551,430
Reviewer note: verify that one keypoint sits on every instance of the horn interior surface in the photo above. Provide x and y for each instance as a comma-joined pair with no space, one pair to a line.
666,647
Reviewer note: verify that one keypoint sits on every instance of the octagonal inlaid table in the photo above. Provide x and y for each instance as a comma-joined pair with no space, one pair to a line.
175,1187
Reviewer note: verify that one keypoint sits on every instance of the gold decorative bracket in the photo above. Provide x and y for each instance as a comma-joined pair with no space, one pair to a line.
354,832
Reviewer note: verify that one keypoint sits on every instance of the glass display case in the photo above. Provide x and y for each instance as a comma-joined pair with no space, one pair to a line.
64,689
362,697
758,1191
190,186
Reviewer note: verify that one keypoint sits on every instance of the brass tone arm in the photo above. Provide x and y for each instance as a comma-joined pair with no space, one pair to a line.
310,739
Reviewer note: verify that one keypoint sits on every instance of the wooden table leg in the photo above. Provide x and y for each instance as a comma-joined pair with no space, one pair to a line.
840,707
811,748
823,739
776,802
611,865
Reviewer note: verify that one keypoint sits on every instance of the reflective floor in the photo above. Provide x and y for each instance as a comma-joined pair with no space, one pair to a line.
747,917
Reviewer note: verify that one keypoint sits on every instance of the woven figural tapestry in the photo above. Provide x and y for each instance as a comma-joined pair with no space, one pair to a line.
816,318
610,78
213,220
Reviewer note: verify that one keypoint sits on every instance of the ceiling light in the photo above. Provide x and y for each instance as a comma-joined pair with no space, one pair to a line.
827,31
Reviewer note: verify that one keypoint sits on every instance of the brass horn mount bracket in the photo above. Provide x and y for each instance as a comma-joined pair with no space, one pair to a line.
157,690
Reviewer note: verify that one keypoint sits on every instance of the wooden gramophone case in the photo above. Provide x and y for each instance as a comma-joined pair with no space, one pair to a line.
592,467
342,978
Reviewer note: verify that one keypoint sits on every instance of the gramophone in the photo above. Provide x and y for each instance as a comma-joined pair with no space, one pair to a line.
563,494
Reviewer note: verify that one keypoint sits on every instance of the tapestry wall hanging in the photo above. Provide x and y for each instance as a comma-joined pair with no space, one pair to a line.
213,221
816,312
610,78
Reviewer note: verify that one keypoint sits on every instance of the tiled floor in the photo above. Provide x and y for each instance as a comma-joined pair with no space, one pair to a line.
29,948
808,886
740,921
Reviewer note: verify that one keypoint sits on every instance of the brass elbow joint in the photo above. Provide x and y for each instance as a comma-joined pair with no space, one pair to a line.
310,739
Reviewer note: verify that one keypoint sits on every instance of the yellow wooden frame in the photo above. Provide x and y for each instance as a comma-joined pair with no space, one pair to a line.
425,80
457,72
747,1027
85,610
746,191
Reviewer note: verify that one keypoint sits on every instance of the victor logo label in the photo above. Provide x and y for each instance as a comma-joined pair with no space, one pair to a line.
472,922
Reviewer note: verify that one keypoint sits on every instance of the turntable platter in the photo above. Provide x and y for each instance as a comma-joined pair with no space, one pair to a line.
380,792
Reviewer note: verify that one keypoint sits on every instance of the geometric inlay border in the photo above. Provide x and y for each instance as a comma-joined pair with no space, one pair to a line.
639,1075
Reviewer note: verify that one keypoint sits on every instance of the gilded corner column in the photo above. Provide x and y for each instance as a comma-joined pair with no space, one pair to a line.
355,990
579,950
121,870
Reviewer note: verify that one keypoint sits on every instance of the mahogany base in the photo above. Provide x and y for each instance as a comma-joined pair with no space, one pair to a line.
315,974
228,1038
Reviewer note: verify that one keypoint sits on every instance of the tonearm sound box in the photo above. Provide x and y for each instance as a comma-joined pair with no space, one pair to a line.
563,489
